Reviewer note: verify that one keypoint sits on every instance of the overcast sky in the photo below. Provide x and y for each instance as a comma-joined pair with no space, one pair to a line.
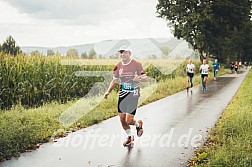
52,23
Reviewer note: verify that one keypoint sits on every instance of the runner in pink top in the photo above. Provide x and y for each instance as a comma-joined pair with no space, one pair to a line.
128,73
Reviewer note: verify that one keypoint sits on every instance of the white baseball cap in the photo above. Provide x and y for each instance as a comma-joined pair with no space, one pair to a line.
125,48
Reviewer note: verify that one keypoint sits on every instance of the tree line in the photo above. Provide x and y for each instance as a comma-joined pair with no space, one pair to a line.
72,52
221,28
9,46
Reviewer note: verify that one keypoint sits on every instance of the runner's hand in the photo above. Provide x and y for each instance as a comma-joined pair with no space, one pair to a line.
136,78
105,96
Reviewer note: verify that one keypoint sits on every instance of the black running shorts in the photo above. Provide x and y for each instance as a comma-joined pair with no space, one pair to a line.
204,75
190,74
128,103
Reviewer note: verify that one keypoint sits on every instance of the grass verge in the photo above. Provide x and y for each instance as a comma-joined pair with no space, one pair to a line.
230,142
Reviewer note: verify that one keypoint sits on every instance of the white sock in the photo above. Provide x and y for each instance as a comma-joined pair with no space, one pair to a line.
128,131
137,124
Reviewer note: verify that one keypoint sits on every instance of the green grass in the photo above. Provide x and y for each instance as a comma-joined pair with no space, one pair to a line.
22,129
230,142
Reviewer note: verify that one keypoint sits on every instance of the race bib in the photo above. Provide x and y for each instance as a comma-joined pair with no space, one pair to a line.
204,72
128,86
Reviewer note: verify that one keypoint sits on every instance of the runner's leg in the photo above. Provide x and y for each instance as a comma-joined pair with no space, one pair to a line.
205,81
202,82
191,81
127,129
139,124
187,82
124,123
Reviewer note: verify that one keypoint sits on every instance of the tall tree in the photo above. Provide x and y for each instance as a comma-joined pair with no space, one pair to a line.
190,20
248,43
92,54
72,52
84,55
50,52
35,53
231,19
211,27
9,46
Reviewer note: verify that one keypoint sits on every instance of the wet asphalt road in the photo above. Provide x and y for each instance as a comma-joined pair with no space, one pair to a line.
173,127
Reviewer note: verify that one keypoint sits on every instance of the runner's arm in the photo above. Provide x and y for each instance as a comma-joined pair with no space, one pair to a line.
112,85
194,68
140,74
144,78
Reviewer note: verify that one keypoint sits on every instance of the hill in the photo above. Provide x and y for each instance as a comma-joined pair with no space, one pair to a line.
141,48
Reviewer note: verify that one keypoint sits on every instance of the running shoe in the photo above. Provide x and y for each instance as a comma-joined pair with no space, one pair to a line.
140,128
128,141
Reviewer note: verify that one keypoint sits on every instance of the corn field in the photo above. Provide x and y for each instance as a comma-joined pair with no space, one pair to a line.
35,80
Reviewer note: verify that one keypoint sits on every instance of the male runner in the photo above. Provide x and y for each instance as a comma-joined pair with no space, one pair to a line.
216,66
190,68
204,74
236,66
232,67
128,73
